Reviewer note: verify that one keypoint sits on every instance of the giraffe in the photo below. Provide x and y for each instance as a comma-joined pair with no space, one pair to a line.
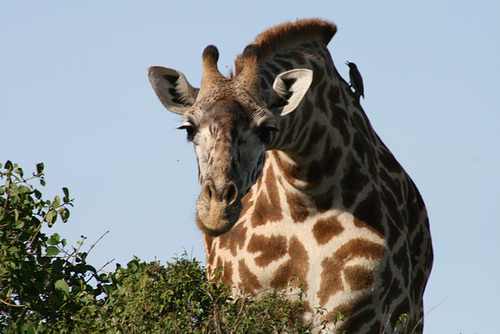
296,186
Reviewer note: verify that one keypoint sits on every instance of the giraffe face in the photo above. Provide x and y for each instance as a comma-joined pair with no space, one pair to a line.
230,141
231,123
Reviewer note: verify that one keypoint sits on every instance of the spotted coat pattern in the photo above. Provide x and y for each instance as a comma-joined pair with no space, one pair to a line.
332,211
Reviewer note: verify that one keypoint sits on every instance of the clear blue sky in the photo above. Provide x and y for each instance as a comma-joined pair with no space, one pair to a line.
74,94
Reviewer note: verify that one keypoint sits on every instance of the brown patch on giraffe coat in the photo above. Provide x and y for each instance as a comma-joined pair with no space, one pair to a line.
320,85
369,214
246,202
339,117
331,157
267,209
284,63
298,208
249,282
403,258
353,182
362,124
301,136
331,282
325,229
306,110
296,267
224,272
234,239
270,249
227,274
333,266
388,161
358,278
315,174
290,173
317,133
209,247
363,149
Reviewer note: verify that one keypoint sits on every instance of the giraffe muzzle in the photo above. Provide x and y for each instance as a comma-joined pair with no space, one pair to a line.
218,208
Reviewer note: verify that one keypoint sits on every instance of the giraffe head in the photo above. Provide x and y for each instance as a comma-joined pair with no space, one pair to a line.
231,122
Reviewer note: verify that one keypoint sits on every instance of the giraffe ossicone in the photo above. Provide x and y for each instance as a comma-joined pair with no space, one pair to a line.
296,186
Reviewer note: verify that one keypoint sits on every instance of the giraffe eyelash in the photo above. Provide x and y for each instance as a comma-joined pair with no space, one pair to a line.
190,129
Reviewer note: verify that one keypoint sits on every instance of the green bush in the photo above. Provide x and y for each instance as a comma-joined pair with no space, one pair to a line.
46,287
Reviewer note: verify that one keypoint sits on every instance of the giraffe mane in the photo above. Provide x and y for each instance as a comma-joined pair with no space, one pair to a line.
290,34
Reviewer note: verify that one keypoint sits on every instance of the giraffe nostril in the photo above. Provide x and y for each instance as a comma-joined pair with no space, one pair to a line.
208,190
230,193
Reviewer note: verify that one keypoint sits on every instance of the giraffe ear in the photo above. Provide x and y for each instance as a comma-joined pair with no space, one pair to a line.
289,89
172,88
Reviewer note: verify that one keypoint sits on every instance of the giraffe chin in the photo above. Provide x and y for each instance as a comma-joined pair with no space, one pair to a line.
217,218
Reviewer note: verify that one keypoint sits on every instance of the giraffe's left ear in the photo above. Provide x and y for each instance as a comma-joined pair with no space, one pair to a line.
289,89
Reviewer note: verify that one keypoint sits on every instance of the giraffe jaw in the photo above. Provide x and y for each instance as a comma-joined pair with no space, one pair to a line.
217,218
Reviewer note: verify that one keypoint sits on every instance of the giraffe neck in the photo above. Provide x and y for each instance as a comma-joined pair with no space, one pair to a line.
326,135
331,210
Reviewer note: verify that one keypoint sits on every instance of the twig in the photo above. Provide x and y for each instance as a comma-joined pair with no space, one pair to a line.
92,246
9,304
425,315
100,269
107,263
37,231
384,328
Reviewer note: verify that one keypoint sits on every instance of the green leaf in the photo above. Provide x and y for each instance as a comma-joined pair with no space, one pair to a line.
66,195
39,168
52,251
51,217
54,239
23,189
19,224
38,194
62,286
64,213
133,266
56,202
20,172
12,249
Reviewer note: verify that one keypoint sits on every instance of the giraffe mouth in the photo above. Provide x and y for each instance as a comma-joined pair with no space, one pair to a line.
218,208
216,218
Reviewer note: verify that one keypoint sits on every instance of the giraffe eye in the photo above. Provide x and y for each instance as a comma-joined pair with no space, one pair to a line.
190,129
264,133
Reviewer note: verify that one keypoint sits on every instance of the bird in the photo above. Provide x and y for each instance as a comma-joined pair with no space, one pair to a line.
356,80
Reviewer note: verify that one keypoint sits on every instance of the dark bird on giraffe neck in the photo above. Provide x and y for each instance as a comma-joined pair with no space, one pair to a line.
356,80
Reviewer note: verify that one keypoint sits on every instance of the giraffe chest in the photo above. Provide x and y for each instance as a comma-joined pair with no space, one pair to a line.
325,254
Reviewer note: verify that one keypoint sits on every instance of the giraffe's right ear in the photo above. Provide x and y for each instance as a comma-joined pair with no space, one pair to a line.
172,88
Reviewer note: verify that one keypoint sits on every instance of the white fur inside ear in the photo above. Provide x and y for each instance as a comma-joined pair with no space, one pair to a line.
172,88
292,86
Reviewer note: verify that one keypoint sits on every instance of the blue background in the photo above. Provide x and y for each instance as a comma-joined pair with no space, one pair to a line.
74,94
